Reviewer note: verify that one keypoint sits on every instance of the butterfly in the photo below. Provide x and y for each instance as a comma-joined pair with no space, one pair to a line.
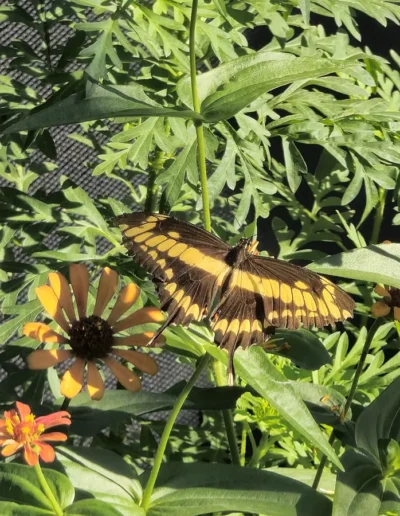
191,268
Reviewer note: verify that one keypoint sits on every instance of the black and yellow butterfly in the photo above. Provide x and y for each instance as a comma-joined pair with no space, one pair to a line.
190,266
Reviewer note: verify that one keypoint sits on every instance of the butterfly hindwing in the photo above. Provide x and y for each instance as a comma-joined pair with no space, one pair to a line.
282,295
187,262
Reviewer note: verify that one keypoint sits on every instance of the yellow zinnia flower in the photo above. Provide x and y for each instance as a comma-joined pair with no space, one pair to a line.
391,301
91,338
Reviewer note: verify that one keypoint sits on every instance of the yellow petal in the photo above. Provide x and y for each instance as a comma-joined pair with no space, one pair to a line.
143,362
42,333
72,381
125,376
107,287
142,316
380,309
140,339
95,383
396,312
51,304
381,291
127,297
61,288
79,278
45,358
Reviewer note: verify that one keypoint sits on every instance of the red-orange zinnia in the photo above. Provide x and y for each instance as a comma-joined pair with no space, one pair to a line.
90,338
21,429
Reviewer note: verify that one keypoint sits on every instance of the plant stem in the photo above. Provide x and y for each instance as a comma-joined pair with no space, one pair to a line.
199,126
46,489
352,392
380,209
243,446
227,415
202,366
155,167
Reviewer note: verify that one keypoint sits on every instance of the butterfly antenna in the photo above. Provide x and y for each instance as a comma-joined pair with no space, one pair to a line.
151,344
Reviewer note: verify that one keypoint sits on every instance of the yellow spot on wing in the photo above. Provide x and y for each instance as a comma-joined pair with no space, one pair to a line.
179,295
286,293
301,285
166,245
346,314
234,326
300,313
139,229
309,300
334,310
142,237
177,250
273,315
174,234
191,256
298,297
195,311
245,326
171,288
322,308
275,288
286,313
153,254
185,303
221,325
162,263
257,326
156,240
169,273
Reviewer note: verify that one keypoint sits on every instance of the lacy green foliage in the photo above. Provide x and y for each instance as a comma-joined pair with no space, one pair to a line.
262,111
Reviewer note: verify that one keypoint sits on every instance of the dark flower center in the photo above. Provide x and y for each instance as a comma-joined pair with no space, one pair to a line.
395,295
91,338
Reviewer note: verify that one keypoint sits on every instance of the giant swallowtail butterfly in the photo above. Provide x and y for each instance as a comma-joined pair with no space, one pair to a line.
190,266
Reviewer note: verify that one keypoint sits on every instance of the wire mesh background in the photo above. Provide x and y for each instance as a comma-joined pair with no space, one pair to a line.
72,157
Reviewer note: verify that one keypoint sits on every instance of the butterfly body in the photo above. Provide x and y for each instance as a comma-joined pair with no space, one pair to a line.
191,268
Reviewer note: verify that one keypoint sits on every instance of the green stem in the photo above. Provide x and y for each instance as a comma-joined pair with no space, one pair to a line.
227,415
151,196
202,366
352,392
199,126
46,489
243,446
380,209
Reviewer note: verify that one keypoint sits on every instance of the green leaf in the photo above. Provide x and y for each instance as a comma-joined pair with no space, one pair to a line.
305,10
358,489
21,484
380,421
247,85
112,475
17,509
9,328
209,82
83,204
113,103
374,263
254,366
174,176
302,347
192,489
89,417
97,508
294,164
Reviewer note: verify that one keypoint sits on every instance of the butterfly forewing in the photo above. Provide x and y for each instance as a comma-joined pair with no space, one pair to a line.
187,262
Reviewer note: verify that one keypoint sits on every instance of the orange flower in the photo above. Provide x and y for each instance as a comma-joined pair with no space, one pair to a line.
21,429
91,338
390,302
